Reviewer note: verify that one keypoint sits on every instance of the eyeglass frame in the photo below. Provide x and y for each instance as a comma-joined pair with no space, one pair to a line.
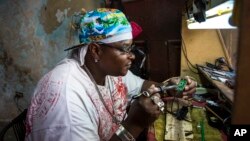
122,49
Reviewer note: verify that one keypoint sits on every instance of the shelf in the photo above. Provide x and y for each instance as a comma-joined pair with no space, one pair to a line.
226,91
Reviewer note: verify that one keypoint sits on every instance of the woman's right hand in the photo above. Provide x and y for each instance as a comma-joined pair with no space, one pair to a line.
144,110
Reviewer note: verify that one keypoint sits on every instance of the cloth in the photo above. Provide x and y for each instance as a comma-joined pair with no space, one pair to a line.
103,23
116,38
136,29
66,105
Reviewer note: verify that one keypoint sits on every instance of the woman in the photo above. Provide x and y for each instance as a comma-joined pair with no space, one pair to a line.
86,95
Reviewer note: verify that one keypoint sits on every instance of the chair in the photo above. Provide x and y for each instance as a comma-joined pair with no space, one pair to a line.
18,125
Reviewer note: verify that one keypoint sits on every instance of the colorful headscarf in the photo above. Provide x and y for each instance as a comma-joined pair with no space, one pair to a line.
103,23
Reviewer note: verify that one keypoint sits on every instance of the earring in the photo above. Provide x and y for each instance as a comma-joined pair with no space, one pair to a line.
96,60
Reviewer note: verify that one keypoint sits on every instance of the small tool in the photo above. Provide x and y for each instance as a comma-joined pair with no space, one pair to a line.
179,87
162,89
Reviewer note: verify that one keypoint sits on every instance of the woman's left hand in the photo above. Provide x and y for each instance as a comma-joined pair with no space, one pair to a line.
190,87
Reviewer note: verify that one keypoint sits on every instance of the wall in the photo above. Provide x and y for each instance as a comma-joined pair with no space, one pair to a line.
230,39
161,24
201,46
33,35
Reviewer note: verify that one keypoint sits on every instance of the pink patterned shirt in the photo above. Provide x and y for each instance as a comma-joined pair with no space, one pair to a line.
66,105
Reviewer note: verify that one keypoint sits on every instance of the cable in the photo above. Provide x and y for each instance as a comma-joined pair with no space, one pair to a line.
185,54
20,108
189,64
17,97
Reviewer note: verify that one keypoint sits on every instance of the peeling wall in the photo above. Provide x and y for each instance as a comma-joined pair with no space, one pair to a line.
33,35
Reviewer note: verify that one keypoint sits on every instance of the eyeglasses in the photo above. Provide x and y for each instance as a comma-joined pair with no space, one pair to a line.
124,49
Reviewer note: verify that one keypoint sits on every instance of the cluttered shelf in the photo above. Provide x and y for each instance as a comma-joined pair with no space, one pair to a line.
220,80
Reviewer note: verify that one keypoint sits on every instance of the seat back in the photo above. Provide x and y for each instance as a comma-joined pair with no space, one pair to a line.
18,125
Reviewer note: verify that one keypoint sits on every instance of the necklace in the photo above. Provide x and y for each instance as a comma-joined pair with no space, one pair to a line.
115,120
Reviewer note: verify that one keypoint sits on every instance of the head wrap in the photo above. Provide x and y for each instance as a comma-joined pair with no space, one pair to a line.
136,29
102,25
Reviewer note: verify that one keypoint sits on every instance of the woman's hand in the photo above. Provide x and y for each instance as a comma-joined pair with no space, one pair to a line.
190,87
146,109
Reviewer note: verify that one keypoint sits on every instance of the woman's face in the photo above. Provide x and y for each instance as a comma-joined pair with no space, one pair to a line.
116,58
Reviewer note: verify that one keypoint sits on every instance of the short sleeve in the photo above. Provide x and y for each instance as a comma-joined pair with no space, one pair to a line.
61,109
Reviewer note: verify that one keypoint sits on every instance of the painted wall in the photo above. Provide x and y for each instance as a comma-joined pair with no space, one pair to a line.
33,35
201,46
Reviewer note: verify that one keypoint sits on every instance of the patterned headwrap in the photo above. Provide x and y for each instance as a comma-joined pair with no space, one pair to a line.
102,24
